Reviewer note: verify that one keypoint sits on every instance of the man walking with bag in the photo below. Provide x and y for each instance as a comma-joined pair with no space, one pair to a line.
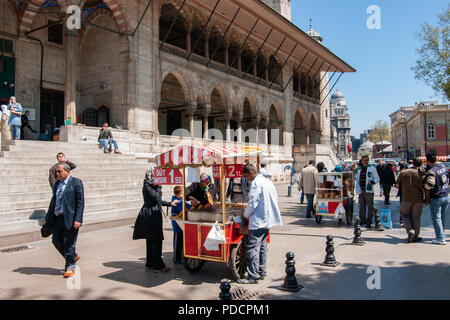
263,213
65,216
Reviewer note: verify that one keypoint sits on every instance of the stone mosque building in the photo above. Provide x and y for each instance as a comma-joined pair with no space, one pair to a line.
219,69
340,124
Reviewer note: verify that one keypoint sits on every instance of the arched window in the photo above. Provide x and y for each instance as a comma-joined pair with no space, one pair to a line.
431,134
90,117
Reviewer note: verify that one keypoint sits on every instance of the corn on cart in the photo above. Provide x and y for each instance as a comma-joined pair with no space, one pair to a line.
226,162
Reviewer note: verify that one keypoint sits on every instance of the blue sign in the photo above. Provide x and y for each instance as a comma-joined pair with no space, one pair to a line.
386,219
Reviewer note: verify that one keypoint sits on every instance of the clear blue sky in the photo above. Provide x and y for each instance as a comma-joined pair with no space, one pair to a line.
383,58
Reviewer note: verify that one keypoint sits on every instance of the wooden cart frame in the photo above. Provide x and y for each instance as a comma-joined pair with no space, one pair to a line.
233,252
333,203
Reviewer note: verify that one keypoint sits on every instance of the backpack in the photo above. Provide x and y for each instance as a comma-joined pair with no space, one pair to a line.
441,183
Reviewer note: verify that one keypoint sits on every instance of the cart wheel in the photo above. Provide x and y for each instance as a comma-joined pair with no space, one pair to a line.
238,259
193,265
318,219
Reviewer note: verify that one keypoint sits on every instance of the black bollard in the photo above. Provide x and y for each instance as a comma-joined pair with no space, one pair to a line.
225,291
290,282
330,259
378,225
357,240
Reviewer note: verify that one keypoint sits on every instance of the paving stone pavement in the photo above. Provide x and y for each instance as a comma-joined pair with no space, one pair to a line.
112,265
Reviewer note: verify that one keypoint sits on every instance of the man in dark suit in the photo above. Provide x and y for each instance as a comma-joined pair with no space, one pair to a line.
65,216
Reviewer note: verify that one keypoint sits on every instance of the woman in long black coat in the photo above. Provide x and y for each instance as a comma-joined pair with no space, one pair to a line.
149,223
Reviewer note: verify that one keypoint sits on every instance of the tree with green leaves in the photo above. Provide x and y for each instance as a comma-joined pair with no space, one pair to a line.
380,131
433,63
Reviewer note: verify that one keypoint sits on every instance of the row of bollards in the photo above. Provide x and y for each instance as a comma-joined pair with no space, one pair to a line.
290,281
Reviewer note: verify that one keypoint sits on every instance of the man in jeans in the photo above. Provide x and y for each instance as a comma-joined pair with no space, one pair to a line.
366,179
105,138
436,196
308,182
263,213
15,120
411,183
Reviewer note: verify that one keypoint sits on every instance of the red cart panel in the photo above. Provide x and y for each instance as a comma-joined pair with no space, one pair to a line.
191,240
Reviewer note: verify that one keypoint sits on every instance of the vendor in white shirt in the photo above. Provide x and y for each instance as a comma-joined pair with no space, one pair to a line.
263,213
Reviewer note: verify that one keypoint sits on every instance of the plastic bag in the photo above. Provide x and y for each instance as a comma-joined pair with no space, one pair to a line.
214,238
340,212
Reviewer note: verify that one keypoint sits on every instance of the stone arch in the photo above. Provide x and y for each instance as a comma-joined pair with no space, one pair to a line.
94,16
183,82
12,19
300,127
34,5
178,35
314,129
250,118
218,115
174,105
276,123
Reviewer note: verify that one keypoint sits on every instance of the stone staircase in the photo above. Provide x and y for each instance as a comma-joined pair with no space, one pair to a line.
112,184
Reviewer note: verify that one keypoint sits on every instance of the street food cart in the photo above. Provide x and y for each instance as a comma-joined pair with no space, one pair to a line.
226,162
335,191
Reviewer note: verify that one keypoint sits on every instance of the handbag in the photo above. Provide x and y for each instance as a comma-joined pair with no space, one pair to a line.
46,231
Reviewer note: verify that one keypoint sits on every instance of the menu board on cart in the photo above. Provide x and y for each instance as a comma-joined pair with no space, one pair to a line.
165,176
231,171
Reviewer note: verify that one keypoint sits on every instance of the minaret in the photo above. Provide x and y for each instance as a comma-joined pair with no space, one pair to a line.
314,34
283,7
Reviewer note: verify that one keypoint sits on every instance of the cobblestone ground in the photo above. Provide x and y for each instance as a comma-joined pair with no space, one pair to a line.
112,265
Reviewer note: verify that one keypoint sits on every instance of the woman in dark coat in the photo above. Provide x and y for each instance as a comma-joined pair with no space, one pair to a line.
149,223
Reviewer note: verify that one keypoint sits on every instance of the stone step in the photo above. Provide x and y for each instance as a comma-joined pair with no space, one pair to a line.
39,213
89,201
19,226
44,154
21,232
136,175
91,183
46,193
87,161
42,171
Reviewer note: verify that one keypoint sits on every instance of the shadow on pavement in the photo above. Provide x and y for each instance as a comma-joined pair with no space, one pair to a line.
42,271
135,272
406,281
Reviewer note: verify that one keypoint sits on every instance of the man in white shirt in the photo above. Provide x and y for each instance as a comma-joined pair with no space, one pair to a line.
264,171
263,213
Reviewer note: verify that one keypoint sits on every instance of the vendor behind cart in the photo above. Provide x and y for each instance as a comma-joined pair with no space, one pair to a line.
201,194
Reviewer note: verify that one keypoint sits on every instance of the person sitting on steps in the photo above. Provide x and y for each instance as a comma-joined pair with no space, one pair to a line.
105,138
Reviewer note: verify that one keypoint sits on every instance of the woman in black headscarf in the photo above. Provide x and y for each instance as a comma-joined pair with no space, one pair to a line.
149,223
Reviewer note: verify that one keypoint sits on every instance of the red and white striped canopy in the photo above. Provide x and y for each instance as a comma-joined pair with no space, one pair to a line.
201,155
438,158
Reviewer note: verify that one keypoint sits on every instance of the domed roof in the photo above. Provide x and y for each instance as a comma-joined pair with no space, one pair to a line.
338,99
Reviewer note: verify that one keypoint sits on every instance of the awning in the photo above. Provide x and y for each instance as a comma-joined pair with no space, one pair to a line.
283,33
438,158
203,155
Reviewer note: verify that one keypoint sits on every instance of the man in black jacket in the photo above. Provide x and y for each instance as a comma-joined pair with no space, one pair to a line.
65,216
25,124
387,180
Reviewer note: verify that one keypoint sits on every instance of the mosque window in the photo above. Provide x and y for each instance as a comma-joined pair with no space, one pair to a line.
55,33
